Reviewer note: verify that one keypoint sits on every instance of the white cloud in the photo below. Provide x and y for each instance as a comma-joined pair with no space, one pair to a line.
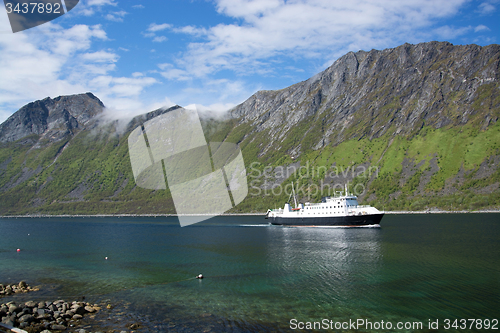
177,74
447,32
100,56
21,56
215,96
101,2
481,27
486,8
215,110
307,29
191,30
153,27
116,16
56,61
126,109
138,6
89,7
169,72
159,39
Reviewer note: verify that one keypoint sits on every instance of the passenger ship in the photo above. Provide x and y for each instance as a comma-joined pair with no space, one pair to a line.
339,210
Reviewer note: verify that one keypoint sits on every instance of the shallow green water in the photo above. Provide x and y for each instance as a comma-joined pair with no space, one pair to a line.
415,268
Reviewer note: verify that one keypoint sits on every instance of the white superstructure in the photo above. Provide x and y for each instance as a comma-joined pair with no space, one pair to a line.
343,208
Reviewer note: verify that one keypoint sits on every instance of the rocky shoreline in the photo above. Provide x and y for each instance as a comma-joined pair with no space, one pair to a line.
10,289
44,316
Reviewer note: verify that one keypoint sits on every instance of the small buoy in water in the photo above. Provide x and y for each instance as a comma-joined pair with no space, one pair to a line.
106,258
18,250
200,276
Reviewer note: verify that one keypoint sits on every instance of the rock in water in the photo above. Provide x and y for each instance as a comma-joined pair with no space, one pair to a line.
58,327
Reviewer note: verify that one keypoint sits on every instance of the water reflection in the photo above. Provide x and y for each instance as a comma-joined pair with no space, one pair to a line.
334,264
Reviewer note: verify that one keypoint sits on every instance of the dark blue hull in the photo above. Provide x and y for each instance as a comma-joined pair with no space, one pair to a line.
358,220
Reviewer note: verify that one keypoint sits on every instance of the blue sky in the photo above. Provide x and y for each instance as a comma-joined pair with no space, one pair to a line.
140,55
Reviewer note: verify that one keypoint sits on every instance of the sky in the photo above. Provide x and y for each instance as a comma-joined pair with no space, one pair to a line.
137,56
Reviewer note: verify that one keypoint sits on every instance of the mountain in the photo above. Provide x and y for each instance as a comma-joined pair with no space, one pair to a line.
51,119
409,128
415,126
394,91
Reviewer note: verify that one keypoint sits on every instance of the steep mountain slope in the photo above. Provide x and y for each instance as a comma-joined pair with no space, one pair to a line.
80,170
394,91
414,127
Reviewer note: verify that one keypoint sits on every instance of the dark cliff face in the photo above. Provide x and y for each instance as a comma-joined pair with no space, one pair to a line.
396,91
51,119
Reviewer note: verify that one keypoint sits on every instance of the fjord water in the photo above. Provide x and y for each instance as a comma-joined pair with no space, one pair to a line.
259,277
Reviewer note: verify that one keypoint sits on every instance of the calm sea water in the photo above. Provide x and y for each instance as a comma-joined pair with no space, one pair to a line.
414,268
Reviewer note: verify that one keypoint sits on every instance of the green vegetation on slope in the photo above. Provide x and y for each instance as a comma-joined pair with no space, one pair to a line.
437,168
91,176
90,173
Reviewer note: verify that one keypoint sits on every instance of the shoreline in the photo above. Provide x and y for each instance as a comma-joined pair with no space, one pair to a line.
401,212
393,212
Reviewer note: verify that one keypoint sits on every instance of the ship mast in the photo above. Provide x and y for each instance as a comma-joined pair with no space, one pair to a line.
294,198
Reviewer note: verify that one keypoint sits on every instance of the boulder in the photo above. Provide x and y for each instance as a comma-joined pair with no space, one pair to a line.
90,309
13,308
58,327
27,318
7,321
31,304
80,310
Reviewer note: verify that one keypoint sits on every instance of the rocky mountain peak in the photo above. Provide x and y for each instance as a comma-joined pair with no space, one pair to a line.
51,119
371,93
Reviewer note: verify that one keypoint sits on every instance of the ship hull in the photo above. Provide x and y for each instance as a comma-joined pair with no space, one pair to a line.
348,221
